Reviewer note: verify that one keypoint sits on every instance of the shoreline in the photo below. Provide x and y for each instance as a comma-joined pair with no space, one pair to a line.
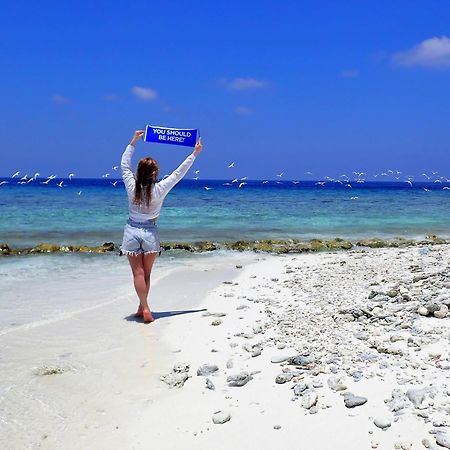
278,246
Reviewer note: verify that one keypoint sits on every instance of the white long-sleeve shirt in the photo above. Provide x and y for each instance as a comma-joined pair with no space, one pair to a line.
142,213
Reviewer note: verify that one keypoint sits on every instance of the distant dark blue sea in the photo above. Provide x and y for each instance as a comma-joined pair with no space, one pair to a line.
93,211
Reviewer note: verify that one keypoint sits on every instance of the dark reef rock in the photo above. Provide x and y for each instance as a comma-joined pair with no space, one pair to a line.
4,249
433,239
275,246
385,243
178,246
107,247
289,245
205,246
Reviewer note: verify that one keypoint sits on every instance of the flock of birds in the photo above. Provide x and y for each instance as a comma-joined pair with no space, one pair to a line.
344,180
36,178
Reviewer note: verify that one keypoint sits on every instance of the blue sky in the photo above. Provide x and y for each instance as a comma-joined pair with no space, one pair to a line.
296,86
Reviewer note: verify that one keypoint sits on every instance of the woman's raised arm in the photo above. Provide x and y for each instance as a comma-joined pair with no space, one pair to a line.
168,183
125,163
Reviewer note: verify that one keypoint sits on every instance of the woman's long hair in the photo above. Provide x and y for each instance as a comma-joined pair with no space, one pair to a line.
146,176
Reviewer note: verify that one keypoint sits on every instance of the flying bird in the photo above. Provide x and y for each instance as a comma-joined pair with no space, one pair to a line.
196,172
207,188
71,175
15,175
3,182
427,190
115,182
265,182
353,198
235,180
242,184
280,174
195,178
36,175
231,165
244,178
446,187
320,183
79,192
24,178
60,184
226,184
115,167
106,175
409,182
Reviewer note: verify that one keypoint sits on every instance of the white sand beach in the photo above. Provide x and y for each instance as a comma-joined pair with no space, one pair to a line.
315,351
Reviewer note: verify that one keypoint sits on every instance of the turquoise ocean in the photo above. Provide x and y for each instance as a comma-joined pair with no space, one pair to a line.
93,211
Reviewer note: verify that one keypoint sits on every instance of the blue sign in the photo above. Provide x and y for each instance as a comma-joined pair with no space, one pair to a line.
176,136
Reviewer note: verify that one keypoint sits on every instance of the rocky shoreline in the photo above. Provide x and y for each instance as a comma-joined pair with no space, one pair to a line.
364,333
280,246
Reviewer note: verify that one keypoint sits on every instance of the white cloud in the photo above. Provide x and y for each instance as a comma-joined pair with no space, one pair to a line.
60,99
144,93
241,84
350,73
243,110
433,53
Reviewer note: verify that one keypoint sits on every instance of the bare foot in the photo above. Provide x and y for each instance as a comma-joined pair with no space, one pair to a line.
147,315
139,313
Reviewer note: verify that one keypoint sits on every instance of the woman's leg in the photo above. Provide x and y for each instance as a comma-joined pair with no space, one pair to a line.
149,260
137,267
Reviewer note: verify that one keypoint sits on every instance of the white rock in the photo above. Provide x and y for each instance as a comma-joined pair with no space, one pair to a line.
382,422
443,440
220,417
309,399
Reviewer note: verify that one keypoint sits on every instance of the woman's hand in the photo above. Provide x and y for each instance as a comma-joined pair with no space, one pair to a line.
137,135
198,147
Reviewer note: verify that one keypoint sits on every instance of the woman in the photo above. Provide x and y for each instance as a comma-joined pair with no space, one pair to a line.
145,199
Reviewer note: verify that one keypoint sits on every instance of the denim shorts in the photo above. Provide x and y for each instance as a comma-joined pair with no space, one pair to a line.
140,237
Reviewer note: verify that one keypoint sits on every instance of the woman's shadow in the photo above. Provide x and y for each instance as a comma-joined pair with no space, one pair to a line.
162,314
